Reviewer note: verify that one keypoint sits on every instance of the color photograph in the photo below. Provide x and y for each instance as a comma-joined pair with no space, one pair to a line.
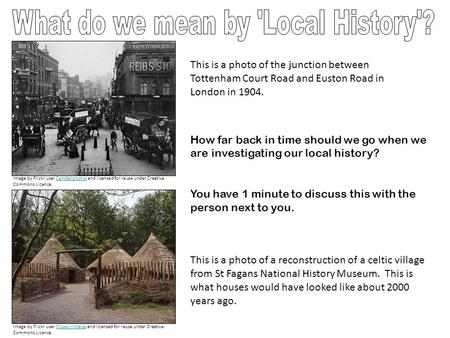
86,257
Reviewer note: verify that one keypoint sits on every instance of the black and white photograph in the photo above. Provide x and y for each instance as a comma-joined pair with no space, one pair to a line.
93,108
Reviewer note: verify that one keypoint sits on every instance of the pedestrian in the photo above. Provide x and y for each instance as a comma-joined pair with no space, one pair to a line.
114,140
66,146
70,148
23,130
73,153
16,137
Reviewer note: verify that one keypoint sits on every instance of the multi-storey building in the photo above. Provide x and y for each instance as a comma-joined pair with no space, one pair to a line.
70,87
144,78
91,91
47,68
34,78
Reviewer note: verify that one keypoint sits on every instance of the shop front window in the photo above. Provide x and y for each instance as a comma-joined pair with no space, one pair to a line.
153,88
144,88
166,88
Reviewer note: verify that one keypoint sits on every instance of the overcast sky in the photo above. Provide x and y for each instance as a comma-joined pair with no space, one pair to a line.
84,58
129,199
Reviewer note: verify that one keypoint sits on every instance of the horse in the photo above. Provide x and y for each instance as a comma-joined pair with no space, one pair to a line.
62,130
160,145
93,125
171,148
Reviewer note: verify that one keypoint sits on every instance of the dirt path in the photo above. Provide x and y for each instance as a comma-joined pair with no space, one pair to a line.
71,306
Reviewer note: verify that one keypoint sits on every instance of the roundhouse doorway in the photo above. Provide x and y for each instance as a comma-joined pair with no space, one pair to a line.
72,274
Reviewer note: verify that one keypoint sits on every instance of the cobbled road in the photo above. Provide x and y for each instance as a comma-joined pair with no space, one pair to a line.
54,163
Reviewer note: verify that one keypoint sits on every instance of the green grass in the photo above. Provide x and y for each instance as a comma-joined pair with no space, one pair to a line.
147,306
17,294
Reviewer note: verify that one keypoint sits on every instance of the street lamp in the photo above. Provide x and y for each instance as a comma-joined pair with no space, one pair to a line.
28,106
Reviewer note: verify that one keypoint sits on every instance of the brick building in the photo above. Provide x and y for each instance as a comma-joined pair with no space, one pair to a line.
34,77
70,87
47,68
91,91
144,78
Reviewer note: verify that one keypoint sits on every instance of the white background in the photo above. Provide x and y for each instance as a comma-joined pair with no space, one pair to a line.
412,102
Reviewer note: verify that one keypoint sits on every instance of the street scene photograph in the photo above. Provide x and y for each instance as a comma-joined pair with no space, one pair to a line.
93,108
93,256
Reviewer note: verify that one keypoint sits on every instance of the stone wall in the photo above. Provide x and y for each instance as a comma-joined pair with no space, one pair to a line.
93,291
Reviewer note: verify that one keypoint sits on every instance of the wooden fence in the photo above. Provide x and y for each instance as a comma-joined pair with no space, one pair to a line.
36,279
137,271
36,270
36,287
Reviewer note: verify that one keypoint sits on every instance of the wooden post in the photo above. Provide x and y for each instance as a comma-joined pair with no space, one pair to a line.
98,285
57,269
22,291
99,270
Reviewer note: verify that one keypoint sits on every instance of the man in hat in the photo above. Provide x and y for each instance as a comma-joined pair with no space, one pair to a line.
113,140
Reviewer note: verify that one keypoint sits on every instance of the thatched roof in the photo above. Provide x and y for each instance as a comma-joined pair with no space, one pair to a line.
110,257
153,251
47,255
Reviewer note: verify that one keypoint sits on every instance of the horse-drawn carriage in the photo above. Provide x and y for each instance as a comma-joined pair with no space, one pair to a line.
112,119
79,126
34,141
150,135
94,123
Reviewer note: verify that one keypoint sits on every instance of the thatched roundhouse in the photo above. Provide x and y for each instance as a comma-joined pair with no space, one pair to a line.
69,271
110,257
154,251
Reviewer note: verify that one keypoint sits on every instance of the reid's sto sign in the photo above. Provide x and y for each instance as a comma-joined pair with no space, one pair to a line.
150,66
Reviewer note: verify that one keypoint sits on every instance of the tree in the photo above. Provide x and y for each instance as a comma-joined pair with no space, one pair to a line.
165,229
20,210
33,238
156,213
90,219
27,210
84,220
